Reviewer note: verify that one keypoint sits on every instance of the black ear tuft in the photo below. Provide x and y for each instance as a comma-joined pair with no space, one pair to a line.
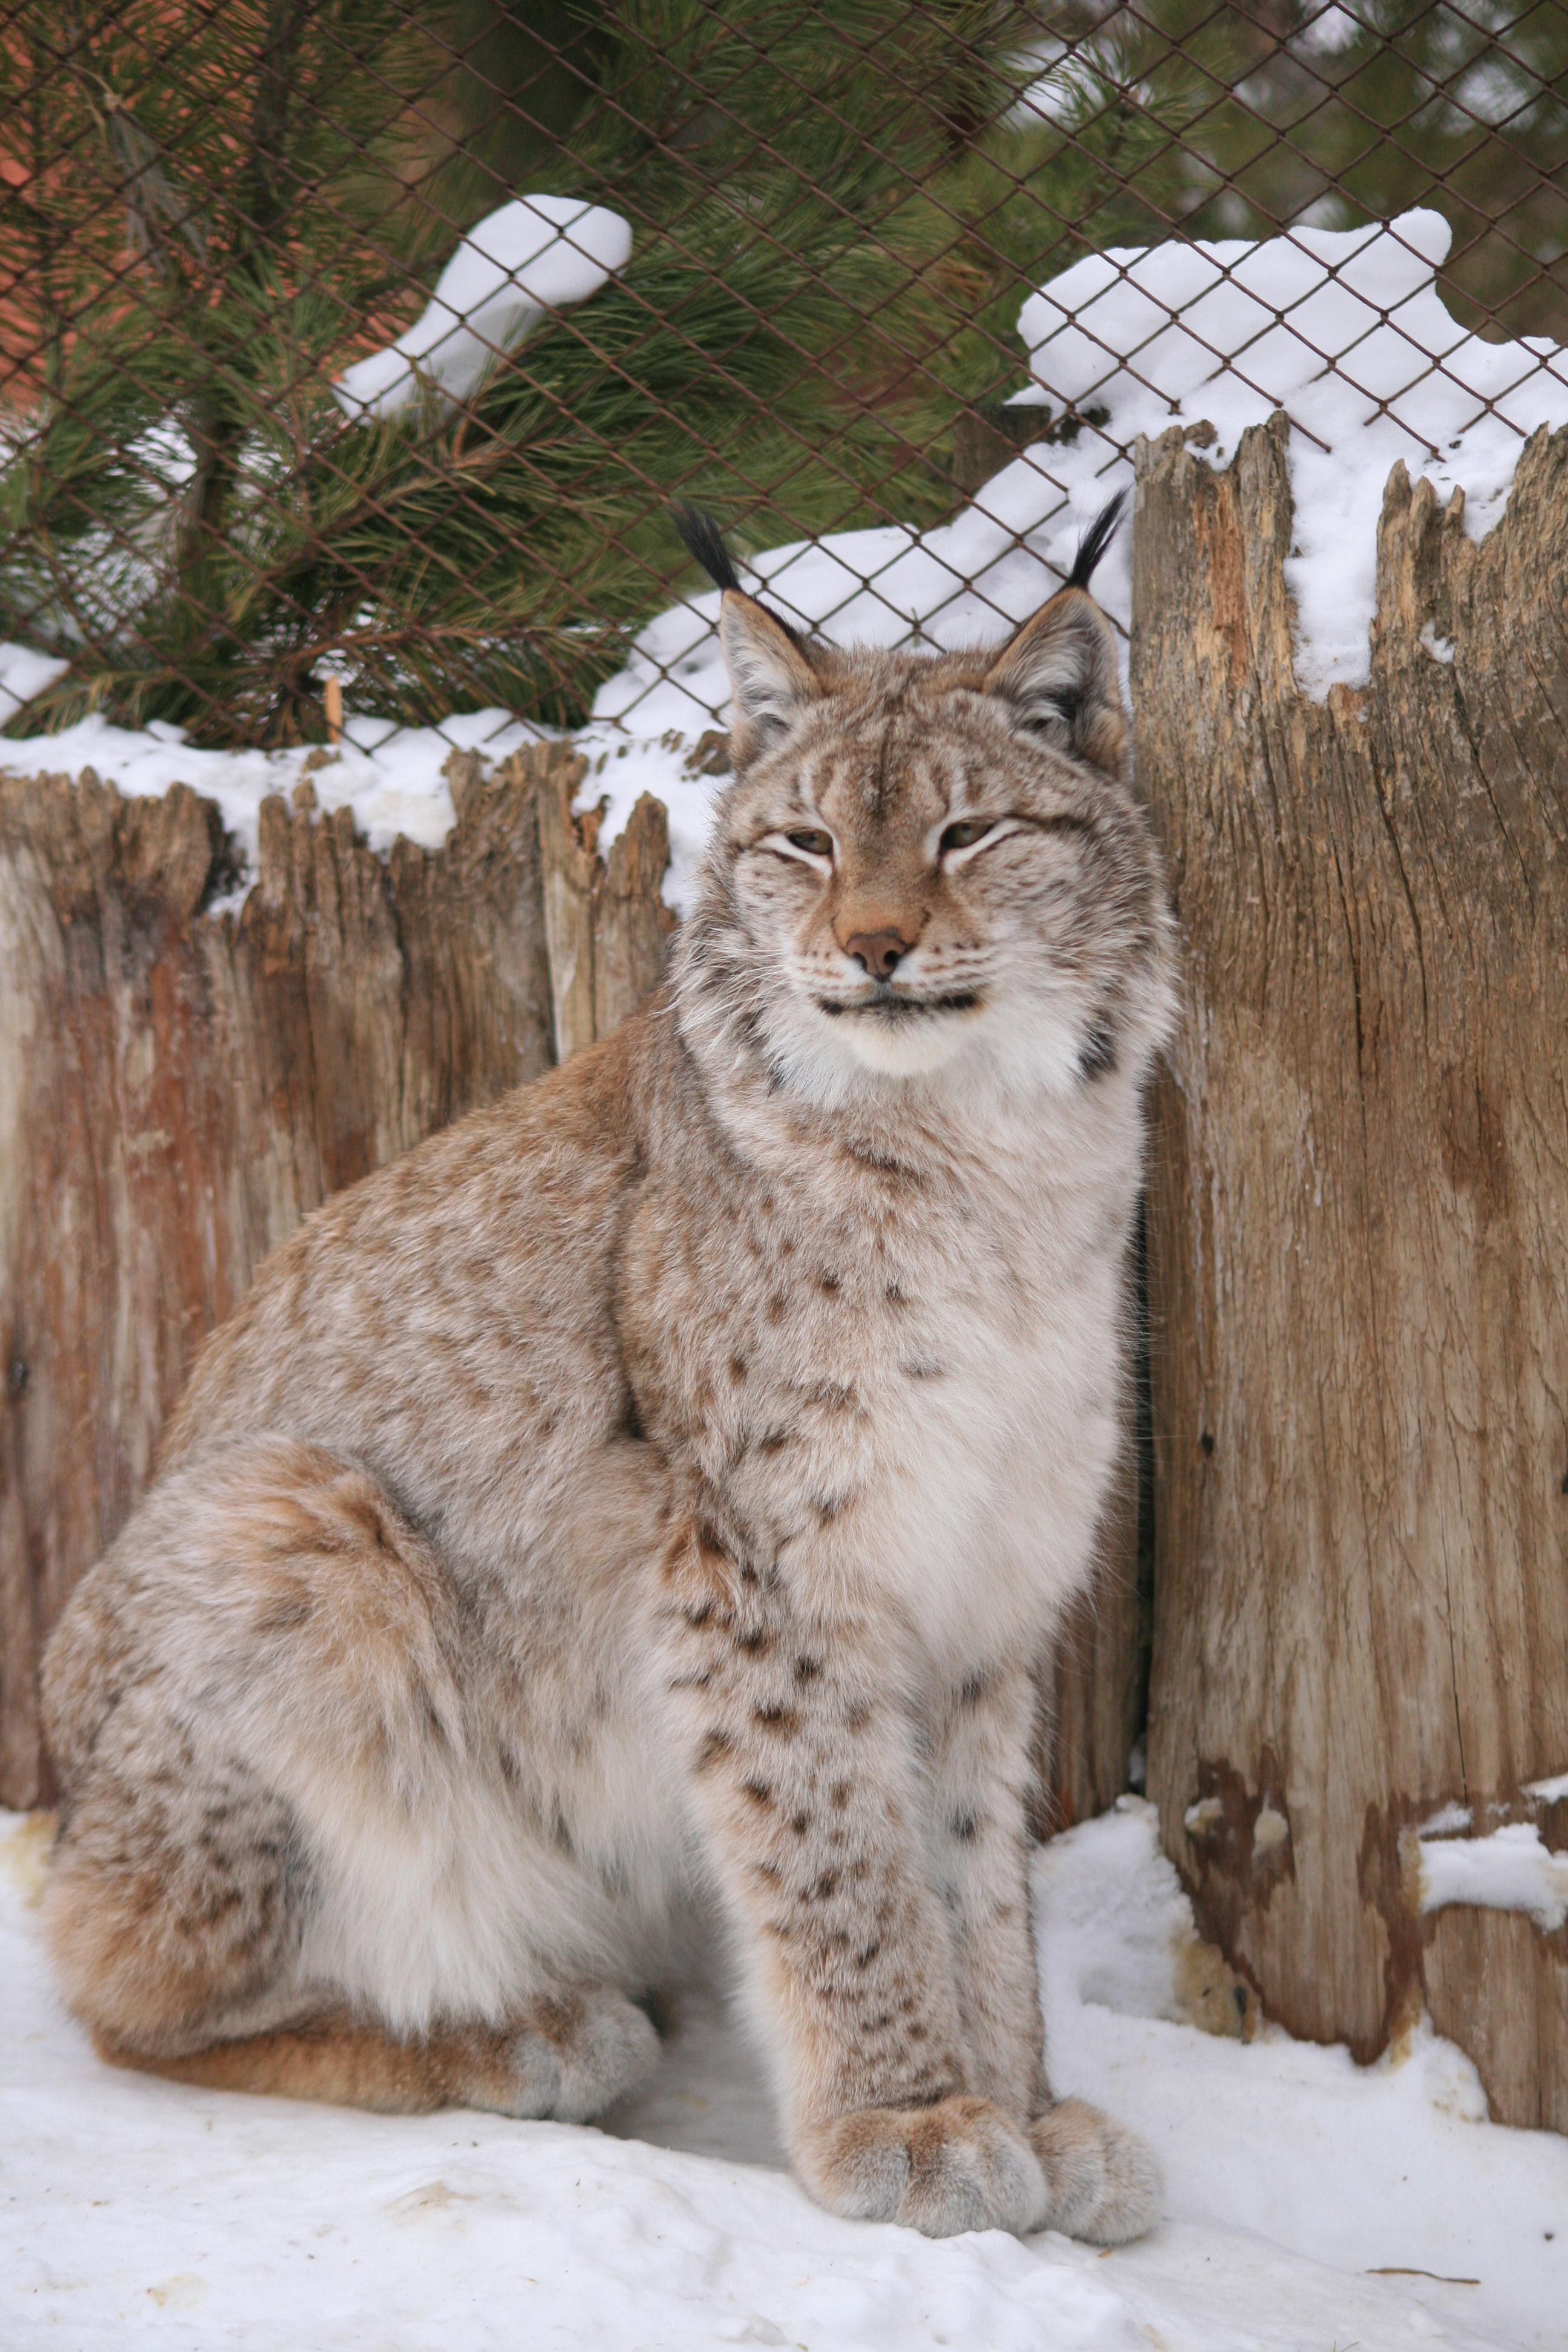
1095,542
702,539
704,542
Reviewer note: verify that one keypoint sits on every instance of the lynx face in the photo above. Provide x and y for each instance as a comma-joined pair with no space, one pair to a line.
929,864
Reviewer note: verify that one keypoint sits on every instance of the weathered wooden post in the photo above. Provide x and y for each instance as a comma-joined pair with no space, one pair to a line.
1095,1686
1359,1250
180,1085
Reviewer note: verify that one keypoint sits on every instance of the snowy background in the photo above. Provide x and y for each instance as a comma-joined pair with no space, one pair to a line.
1313,2207
1344,329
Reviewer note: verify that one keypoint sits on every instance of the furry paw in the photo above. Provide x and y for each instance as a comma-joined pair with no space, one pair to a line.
1105,2182
960,2165
576,2055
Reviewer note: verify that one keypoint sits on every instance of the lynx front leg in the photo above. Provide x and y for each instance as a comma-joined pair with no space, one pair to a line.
1104,2180
982,1841
805,1784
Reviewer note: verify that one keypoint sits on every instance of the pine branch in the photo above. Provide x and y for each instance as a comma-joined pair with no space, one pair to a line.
827,256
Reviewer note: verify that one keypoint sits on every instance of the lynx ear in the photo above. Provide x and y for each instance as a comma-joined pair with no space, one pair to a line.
1058,673
770,668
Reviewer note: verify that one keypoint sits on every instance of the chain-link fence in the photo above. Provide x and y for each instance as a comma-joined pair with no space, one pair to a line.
352,350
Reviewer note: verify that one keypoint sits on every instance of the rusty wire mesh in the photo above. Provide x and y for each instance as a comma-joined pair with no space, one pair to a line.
212,215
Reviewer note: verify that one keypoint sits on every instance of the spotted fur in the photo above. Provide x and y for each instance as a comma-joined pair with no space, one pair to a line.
656,1491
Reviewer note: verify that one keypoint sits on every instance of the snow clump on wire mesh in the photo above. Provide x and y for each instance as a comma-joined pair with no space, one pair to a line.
533,255
1343,330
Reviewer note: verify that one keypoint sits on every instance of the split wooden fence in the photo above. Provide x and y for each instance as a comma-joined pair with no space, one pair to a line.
1358,1206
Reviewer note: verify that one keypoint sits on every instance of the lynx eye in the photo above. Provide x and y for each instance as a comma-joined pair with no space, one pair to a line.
966,833
815,843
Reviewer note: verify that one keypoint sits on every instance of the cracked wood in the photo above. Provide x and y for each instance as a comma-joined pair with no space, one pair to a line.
1359,1194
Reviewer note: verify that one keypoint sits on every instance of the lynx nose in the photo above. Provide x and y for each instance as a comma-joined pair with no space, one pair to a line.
878,952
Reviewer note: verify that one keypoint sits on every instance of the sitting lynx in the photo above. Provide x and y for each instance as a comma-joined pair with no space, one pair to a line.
659,1488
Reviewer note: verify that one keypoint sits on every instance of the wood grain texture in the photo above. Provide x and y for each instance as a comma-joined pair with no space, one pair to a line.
180,1083
1358,1206
605,920
1095,1687
632,925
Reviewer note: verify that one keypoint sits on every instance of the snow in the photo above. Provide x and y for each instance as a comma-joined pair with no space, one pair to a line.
1509,1869
1327,34
24,672
1343,328
390,777
1338,328
1053,74
993,564
1448,1821
1311,2205
534,254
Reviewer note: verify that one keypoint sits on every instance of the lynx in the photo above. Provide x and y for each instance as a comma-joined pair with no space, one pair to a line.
652,1495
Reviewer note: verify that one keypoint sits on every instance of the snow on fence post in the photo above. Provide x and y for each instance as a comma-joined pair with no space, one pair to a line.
1360,1303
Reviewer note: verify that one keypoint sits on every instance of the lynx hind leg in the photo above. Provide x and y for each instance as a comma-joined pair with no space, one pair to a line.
287,1611
1105,2182
175,1909
176,1893
568,2057
564,2059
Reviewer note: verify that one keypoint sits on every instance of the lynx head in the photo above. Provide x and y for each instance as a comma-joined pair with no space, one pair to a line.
933,863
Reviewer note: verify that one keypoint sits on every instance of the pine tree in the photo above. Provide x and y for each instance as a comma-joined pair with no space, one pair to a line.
834,217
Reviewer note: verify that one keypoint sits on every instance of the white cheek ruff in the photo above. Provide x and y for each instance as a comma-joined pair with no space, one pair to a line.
907,1047
1037,1046
831,1059
1024,1045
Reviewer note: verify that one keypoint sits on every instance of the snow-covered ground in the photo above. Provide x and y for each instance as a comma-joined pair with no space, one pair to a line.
1344,329
1312,2207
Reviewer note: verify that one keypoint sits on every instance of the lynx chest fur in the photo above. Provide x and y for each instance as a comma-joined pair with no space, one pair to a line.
900,1380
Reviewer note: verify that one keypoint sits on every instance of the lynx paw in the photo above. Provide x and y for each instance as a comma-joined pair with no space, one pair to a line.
578,2055
960,2165
1105,2182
